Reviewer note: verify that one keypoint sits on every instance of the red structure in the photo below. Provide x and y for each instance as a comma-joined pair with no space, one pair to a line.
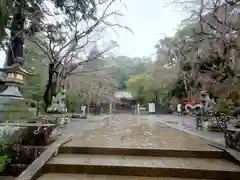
191,101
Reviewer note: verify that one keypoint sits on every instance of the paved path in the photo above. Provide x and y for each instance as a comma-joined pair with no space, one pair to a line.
78,126
136,145
132,131
188,124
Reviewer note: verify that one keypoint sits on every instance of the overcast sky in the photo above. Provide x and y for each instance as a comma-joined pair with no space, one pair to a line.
149,21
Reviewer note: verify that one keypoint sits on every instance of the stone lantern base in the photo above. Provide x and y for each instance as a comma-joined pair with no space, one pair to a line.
13,77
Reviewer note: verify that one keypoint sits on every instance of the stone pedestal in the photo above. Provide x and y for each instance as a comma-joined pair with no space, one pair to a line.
13,107
13,76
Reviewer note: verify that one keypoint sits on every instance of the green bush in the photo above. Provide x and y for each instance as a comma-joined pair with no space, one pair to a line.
74,101
4,158
224,106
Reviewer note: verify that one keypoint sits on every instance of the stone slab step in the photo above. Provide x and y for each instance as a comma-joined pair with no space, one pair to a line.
55,176
143,166
210,153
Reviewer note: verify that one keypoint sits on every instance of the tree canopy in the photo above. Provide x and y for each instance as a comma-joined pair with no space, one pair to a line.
206,48
37,62
121,68
153,84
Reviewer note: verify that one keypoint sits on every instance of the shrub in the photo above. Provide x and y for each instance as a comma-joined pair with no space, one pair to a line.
4,158
224,106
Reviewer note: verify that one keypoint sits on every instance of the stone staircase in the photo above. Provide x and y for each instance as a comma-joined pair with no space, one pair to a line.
103,163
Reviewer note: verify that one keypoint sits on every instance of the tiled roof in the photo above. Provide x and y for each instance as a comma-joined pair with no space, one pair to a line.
123,94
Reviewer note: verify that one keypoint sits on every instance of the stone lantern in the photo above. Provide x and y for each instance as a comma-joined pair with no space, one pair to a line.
15,76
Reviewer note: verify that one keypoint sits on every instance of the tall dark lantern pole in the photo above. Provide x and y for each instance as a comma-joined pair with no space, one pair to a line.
15,49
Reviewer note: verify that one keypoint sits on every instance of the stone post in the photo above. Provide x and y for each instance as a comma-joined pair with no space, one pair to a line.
110,108
138,108
83,110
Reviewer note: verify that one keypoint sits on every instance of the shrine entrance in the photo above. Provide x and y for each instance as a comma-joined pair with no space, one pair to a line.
124,106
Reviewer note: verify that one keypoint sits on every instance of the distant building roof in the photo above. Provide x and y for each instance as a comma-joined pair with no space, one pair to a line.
110,99
123,95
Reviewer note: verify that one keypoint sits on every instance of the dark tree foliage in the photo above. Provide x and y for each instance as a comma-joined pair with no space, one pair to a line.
14,14
86,7
179,90
125,67
4,17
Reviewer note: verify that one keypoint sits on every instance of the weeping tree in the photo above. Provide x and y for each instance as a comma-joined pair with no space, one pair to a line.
70,39
94,84
24,18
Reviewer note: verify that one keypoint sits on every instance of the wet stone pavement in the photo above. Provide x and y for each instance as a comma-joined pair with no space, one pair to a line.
131,131
124,146
188,124
79,126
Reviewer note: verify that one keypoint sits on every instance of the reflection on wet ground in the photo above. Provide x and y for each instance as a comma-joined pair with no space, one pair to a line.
133,131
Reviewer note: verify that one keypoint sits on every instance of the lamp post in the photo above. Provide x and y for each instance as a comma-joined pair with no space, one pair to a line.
13,69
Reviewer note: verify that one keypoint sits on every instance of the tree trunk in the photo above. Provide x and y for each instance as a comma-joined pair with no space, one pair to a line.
59,82
47,94
156,94
54,86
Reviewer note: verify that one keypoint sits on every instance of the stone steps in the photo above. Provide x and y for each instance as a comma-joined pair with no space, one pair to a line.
211,152
126,149
79,162
187,167
55,176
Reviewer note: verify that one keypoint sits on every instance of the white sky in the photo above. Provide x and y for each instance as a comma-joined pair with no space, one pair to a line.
149,20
